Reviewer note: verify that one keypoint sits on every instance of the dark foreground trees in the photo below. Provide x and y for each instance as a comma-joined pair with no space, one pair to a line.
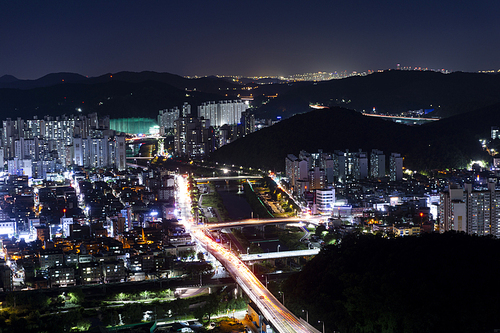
432,283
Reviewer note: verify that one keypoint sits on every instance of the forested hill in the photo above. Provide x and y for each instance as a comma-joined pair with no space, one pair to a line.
433,283
448,143
124,94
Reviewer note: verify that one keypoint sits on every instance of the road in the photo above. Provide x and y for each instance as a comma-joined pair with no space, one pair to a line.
255,222
278,255
280,317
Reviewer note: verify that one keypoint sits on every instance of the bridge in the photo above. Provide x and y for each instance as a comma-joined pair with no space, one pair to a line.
279,255
403,120
259,222
204,179
281,319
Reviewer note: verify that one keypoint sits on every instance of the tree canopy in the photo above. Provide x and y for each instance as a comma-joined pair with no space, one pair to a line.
432,283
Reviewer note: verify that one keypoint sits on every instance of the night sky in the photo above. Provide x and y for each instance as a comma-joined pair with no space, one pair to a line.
245,38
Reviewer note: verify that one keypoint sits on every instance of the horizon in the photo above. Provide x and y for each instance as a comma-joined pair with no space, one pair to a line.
230,38
347,74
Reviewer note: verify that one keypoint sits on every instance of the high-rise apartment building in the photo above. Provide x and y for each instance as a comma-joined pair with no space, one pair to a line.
166,119
474,211
223,112
377,164
396,167
360,165
193,137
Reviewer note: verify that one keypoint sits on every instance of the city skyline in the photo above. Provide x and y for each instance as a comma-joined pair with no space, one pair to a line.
198,38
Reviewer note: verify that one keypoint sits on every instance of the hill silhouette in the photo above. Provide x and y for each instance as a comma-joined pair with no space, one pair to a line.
107,96
11,82
392,92
448,143
408,284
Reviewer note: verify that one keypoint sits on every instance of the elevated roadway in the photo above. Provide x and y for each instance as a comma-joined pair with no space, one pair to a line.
278,255
204,179
259,222
281,319
402,119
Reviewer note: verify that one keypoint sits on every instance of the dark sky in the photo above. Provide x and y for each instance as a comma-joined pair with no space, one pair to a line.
245,37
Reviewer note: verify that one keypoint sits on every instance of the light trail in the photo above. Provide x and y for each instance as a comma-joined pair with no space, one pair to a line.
280,317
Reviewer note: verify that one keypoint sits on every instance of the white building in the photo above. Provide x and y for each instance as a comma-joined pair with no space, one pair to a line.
325,200
166,119
223,112
100,152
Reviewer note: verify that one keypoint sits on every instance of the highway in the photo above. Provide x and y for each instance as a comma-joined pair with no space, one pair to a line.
280,317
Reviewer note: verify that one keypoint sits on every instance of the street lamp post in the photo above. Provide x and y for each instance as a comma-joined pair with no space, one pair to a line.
278,247
321,321
248,250
307,315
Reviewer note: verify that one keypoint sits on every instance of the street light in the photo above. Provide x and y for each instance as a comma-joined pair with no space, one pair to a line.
283,297
248,250
321,321
307,315
278,247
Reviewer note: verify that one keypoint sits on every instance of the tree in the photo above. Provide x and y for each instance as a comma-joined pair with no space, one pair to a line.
145,294
319,230
109,317
76,296
209,308
132,313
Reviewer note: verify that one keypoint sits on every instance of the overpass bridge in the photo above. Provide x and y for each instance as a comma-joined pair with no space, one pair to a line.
259,222
204,179
278,255
282,320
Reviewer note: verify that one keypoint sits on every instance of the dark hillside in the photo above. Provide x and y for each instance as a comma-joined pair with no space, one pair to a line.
114,98
327,129
448,143
433,283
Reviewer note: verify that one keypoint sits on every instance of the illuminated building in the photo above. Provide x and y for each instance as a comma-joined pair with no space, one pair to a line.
494,132
377,164
51,258
90,272
339,166
396,167
297,172
193,137
406,230
474,211
317,179
166,119
248,121
359,165
62,276
222,112
132,125
99,152
325,199
452,210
